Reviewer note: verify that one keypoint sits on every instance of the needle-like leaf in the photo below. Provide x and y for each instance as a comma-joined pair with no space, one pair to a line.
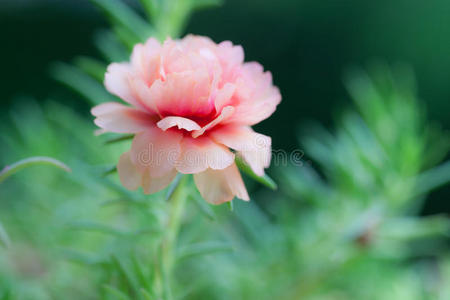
124,16
265,179
94,68
38,160
80,82
203,249
4,237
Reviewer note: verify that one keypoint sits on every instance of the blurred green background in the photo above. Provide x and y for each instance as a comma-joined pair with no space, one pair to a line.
306,44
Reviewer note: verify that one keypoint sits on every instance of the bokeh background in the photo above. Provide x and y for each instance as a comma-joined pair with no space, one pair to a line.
307,45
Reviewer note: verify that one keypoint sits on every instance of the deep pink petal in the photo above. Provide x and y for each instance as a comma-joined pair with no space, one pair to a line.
182,94
226,113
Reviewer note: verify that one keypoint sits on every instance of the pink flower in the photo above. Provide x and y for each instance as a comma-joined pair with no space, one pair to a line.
192,101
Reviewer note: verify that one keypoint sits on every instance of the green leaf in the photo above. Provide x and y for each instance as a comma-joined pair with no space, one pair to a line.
109,170
126,37
37,160
265,179
81,83
432,179
97,227
7,295
203,249
204,207
146,295
151,7
94,68
82,258
4,237
200,4
127,201
115,293
119,138
173,186
139,271
230,205
125,273
414,228
111,48
123,15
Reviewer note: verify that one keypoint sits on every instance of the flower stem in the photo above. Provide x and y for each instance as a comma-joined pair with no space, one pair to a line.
177,203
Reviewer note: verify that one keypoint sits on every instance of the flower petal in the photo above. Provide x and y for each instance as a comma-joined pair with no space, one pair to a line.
231,58
152,185
199,154
117,82
224,95
144,94
255,148
182,94
180,122
119,118
156,150
145,60
227,111
219,186
129,176
256,98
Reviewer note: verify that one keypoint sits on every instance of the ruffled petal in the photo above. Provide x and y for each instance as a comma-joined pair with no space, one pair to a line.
180,122
156,150
201,153
231,58
224,95
256,98
144,94
219,186
117,82
255,148
119,118
182,94
146,61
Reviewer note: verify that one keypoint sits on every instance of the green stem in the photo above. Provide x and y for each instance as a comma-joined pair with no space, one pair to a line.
177,203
